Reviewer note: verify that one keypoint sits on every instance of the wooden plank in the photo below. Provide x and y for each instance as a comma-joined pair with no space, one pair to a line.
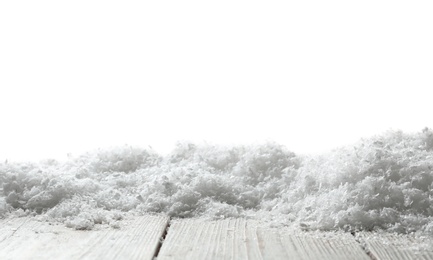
321,245
246,239
8,227
137,238
201,239
389,246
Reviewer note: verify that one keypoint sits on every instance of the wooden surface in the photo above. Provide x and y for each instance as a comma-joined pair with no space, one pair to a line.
139,238
25,238
396,246
245,239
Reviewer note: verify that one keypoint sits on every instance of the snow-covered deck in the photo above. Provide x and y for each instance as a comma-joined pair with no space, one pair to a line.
150,236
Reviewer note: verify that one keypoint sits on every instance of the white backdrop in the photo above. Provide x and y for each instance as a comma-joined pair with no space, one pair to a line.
313,75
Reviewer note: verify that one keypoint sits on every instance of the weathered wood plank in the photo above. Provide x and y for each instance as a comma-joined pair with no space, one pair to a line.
196,239
388,246
8,227
321,245
246,239
137,238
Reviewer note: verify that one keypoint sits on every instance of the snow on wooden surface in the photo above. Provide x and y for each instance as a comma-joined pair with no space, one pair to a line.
26,238
386,246
245,239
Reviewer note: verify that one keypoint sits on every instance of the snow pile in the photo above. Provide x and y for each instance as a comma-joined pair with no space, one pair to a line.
382,182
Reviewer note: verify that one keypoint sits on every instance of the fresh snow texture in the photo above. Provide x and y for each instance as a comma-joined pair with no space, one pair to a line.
384,182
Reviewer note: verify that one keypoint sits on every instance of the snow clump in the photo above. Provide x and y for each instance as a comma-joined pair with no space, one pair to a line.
384,182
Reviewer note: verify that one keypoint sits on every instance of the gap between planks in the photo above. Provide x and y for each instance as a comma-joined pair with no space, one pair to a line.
162,239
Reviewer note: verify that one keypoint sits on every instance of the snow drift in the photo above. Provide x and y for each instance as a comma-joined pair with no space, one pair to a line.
384,182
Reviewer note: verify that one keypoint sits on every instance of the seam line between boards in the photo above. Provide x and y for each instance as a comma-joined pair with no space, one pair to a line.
364,246
162,239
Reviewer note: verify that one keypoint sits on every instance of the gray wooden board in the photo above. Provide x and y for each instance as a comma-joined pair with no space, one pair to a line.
247,239
8,227
397,246
27,238
138,238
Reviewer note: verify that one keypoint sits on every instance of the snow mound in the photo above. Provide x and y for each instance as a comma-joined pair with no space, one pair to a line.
384,182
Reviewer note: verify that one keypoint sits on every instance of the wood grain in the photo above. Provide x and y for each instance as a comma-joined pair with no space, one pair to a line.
389,246
246,239
137,238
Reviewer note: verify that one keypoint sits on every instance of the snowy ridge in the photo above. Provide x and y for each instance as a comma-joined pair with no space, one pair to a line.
383,182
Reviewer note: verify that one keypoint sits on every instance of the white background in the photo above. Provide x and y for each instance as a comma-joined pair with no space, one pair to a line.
312,75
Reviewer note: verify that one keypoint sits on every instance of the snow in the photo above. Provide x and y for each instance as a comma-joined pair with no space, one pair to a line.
382,182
